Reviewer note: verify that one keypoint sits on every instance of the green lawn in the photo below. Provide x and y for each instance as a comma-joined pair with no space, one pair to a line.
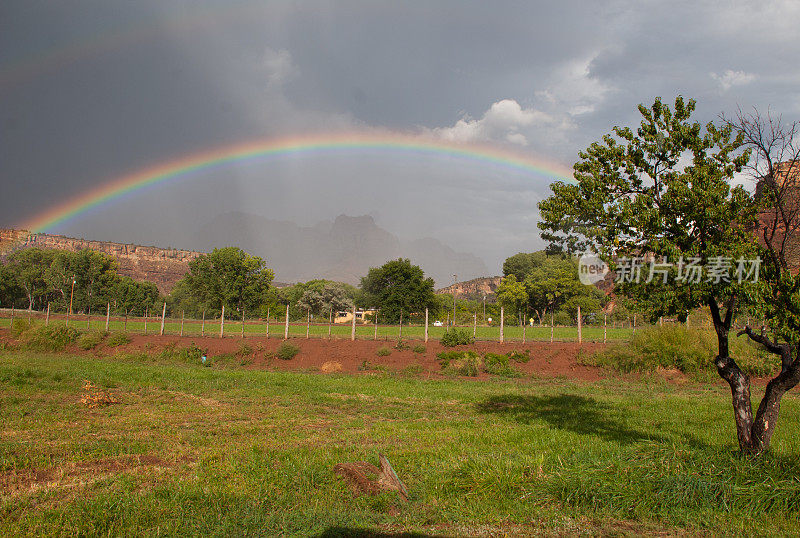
385,332
201,451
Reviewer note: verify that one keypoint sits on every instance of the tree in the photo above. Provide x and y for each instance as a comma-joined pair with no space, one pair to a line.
512,293
134,297
551,282
776,167
522,264
323,297
95,274
27,268
664,193
398,288
230,277
9,290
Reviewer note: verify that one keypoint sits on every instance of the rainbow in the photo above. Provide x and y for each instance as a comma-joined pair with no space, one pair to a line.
289,146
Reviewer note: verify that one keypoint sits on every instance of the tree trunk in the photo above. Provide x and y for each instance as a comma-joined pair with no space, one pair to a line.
767,414
754,434
728,370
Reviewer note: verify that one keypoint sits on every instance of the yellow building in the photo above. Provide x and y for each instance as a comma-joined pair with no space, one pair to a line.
362,316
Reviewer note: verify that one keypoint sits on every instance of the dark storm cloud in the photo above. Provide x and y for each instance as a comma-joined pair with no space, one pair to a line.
92,91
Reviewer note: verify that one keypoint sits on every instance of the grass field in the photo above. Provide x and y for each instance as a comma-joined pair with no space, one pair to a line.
385,332
202,451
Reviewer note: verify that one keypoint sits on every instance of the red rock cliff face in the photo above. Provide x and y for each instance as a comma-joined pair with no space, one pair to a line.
164,267
474,289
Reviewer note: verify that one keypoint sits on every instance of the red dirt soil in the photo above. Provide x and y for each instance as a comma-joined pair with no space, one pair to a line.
547,360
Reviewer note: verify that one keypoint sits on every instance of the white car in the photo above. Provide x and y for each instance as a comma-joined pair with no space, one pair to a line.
437,323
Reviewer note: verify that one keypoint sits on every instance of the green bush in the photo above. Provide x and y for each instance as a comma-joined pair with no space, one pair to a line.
21,326
383,351
419,348
497,364
190,354
674,346
456,337
400,345
464,363
520,356
495,359
118,339
90,340
287,351
49,338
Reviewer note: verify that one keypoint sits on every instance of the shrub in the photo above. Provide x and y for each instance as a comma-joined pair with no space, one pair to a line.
21,326
412,370
465,363
419,348
497,364
50,338
674,346
244,350
520,356
287,351
456,337
367,366
445,357
90,340
118,339
383,351
190,354
400,345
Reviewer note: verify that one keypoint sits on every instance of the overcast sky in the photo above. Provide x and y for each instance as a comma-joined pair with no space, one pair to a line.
93,90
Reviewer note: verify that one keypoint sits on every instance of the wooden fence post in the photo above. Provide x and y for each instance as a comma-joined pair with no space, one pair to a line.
375,337
552,326
286,326
604,327
353,327
222,323
580,326
203,324
267,322
400,336
242,322
330,322
475,326
634,324
524,328
12,318
47,317
163,315
502,321
308,322
426,325
183,315
146,311
108,314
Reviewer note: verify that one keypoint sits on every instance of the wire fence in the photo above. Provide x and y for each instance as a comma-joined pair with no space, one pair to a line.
279,328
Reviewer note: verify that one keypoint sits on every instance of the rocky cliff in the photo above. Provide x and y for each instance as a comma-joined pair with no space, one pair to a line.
474,289
164,267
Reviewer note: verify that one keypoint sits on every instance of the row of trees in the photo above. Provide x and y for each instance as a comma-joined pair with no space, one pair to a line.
33,278
542,285
535,283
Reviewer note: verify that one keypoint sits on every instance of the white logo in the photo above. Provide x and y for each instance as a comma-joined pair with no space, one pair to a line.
591,269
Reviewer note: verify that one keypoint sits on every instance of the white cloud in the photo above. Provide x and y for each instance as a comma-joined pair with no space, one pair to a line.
573,88
731,78
502,122
279,66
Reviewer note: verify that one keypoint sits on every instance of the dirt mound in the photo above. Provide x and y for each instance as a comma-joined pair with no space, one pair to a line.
559,359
